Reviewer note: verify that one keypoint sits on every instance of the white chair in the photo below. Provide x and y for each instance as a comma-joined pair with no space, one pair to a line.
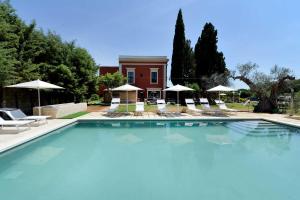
205,104
17,114
247,103
14,123
207,109
139,107
223,106
191,105
115,103
161,106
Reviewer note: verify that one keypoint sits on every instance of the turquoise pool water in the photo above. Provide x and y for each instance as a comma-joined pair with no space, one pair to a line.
159,160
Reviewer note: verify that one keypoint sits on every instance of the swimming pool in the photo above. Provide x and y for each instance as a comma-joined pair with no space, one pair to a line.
143,160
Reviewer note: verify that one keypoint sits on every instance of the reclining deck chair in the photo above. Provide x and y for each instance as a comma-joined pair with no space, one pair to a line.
191,106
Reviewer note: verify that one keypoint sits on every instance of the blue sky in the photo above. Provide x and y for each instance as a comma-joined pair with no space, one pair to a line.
262,31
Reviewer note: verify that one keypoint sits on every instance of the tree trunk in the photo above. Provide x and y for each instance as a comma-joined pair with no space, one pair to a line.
1,96
107,97
265,105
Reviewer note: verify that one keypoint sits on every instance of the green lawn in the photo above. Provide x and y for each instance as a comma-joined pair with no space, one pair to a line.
240,107
148,108
153,108
74,115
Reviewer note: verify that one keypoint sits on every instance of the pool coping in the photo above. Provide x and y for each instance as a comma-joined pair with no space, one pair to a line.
195,118
74,121
33,137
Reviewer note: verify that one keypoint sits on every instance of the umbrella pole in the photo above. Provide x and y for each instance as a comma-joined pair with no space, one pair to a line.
39,99
127,102
219,97
177,102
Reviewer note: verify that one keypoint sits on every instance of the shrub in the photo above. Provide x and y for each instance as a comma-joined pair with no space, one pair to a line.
94,97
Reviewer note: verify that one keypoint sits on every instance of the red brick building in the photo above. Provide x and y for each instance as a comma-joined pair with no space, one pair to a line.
146,72
108,69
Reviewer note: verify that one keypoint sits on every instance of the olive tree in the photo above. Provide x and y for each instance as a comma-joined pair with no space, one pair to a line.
267,87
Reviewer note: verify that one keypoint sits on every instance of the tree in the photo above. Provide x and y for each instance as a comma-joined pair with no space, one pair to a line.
188,72
25,68
110,81
84,70
8,41
266,87
295,84
62,76
208,60
27,54
245,93
178,57
6,68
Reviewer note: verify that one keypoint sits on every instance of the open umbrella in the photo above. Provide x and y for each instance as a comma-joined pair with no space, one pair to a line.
37,84
126,88
178,88
220,88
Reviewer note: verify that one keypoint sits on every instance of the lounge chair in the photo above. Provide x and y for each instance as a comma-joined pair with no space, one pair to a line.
14,123
207,109
139,107
205,104
115,103
223,106
191,106
161,106
17,114
247,103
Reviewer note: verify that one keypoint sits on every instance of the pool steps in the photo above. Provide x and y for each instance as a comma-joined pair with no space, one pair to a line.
259,128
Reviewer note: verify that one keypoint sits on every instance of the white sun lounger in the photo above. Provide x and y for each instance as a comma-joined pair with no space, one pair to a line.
247,103
115,103
14,123
191,105
207,109
161,106
139,107
223,106
17,114
205,104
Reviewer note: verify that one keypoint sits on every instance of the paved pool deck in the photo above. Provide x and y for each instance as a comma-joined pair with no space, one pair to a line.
10,138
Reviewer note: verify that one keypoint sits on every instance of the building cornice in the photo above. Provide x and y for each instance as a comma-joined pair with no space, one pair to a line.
143,59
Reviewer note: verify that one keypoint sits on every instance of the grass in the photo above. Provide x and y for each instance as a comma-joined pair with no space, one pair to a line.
74,115
240,107
148,108
173,108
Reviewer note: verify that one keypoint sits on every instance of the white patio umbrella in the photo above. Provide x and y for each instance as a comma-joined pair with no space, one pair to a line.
37,84
178,88
126,88
220,88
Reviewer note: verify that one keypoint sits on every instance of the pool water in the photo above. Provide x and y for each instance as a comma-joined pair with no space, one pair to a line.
159,160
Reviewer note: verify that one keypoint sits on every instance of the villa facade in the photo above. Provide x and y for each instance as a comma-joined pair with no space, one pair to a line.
146,72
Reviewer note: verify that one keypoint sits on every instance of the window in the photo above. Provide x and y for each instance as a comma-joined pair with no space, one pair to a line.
154,76
130,76
154,94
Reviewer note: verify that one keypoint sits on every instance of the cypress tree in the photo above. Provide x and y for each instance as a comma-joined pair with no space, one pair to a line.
208,60
178,57
188,72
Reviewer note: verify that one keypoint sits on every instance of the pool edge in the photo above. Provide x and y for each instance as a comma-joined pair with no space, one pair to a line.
42,133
